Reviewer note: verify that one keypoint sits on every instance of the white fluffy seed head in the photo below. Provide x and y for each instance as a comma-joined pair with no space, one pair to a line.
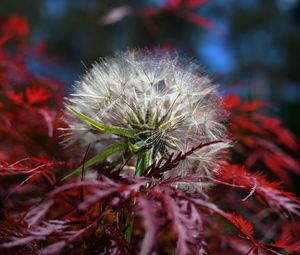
169,104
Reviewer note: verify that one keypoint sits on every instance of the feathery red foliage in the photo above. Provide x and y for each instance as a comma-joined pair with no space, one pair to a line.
106,212
262,140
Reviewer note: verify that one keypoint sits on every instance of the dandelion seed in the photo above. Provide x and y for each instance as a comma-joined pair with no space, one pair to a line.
165,105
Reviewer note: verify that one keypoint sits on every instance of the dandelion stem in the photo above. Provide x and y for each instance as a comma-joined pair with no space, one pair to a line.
143,162
129,229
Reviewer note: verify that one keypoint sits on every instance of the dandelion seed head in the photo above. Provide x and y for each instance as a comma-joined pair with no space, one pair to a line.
169,104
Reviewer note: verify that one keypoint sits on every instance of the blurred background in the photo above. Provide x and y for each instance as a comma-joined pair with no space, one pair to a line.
251,47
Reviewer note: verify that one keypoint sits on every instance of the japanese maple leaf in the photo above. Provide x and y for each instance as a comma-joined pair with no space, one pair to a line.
37,94
15,25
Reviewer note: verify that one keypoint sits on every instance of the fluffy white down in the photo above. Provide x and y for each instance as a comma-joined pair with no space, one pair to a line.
170,102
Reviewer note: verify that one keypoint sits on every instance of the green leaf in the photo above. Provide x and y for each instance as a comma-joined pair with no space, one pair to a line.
103,127
143,162
101,156
136,147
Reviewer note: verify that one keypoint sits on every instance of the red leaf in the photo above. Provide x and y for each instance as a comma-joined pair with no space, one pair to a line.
186,221
21,241
285,137
16,97
266,120
243,224
174,3
272,163
253,105
36,214
199,20
248,124
151,11
285,244
37,94
195,3
4,38
280,201
49,117
232,100
147,211
53,249
15,25
41,46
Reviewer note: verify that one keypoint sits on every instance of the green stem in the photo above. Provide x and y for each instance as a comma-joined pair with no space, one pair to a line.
129,229
143,162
